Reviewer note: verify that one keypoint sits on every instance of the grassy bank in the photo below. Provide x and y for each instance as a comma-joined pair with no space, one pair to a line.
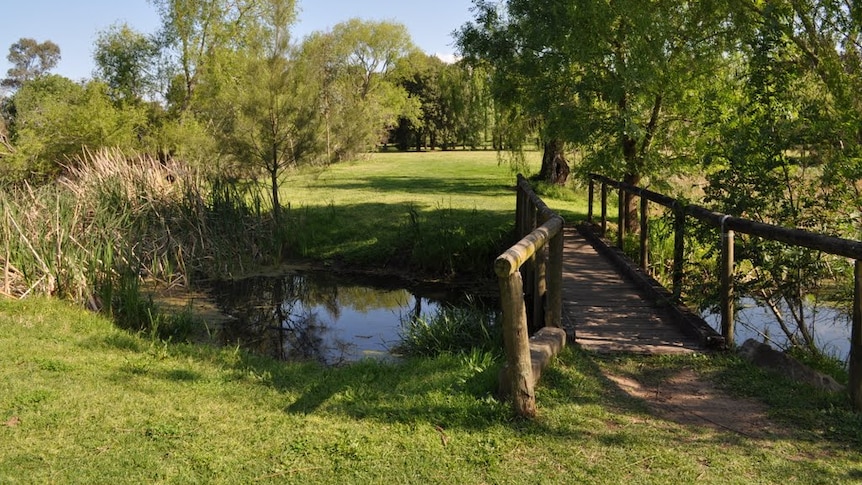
84,402
89,236
437,212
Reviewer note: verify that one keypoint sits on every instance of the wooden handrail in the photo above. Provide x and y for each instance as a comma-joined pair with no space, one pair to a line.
727,225
540,278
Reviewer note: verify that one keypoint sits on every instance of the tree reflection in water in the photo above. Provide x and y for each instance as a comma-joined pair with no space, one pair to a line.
316,317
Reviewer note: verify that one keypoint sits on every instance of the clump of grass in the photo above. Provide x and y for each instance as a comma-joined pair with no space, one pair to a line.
454,330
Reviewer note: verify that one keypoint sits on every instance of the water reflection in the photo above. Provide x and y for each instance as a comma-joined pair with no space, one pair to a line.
314,316
830,327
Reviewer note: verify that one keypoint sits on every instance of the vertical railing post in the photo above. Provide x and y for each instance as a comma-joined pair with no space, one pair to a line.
519,370
591,191
644,246
540,281
678,250
727,297
519,212
604,208
855,383
554,313
528,270
621,218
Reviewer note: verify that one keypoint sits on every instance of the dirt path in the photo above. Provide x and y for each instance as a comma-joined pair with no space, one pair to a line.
687,399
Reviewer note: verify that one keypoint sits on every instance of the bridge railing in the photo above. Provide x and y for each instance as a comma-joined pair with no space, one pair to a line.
532,267
727,225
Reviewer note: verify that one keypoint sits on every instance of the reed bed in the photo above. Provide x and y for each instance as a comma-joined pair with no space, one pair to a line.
112,220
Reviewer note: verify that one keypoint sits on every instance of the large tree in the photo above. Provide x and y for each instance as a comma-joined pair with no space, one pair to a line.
30,59
610,77
362,96
791,153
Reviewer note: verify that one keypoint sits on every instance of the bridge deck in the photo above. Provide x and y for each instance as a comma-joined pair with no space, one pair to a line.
608,312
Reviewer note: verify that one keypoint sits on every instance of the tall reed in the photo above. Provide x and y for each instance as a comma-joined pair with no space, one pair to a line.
112,220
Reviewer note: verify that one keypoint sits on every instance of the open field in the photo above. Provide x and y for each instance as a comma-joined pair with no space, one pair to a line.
441,212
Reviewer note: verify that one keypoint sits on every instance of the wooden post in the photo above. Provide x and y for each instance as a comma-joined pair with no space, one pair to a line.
554,312
590,201
726,268
519,212
621,219
516,341
678,250
644,247
855,384
604,208
540,286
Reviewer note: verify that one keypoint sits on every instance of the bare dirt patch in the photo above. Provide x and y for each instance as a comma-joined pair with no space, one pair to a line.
688,399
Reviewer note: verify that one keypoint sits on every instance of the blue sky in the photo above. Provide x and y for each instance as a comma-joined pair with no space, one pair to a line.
74,25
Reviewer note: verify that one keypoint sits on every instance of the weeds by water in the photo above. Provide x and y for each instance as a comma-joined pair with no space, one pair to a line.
112,220
451,330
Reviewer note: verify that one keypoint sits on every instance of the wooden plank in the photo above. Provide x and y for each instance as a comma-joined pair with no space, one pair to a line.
608,312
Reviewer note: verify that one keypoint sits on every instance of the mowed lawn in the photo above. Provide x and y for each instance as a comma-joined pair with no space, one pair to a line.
435,210
82,401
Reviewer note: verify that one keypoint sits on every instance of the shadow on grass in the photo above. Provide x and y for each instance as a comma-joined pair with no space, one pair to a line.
792,410
440,240
426,185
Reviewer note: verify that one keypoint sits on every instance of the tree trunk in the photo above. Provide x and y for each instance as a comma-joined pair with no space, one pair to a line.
632,221
555,168
276,205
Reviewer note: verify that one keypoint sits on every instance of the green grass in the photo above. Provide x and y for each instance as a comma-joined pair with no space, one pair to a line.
84,402
438,212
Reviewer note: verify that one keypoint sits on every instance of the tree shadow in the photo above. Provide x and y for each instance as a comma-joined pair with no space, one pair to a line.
431,185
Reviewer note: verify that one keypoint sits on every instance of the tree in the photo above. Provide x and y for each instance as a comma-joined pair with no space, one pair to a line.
610,77
202,34
274,118
419,75
56,119
127,61
790,154
30,60
371,101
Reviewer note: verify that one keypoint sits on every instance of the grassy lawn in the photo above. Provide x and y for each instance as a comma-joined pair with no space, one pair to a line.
84,402
441,212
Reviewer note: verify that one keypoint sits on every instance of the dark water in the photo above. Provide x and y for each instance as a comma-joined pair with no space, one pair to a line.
323,317
830,327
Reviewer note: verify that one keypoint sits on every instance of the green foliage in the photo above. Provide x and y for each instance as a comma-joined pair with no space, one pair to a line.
781,158
30,59
126,61
451,330
455,104
613,79
56,120
353,64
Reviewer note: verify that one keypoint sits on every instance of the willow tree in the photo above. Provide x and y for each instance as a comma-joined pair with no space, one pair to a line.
616,78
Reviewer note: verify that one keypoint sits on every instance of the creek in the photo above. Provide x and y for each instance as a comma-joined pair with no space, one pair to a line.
829,326
324,317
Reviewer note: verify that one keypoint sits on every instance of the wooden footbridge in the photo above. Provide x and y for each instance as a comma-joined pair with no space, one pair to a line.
566,283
